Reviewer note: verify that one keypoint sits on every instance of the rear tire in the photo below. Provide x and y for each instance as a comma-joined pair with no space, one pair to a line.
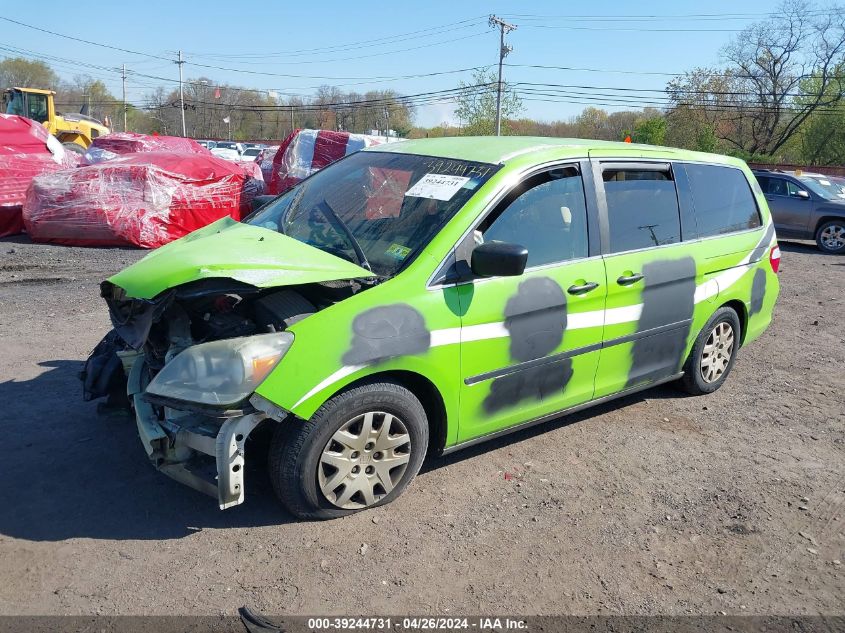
830,237
315,465
713,354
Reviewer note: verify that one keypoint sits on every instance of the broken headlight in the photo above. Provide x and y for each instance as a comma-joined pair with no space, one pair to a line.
221,372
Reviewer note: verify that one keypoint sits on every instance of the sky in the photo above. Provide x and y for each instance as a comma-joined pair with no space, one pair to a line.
607,53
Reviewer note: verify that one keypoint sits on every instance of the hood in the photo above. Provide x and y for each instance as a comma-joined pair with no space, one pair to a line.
226,248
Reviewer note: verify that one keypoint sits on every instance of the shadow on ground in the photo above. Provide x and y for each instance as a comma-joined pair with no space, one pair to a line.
72,473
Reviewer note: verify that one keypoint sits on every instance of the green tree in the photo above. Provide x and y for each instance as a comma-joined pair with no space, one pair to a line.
477,104
651,131
761,98
26,73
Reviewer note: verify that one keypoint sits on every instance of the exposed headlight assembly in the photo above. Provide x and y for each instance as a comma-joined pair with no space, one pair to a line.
221,373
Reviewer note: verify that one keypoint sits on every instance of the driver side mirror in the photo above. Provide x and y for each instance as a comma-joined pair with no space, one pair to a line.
499,259
803,194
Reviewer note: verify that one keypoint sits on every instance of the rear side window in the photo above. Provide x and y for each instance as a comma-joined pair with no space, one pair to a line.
723,199
642,209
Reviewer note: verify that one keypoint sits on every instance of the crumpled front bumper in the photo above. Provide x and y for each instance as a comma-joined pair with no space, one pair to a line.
203,452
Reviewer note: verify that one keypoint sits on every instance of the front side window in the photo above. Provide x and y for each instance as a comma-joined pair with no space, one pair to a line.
376,209
642,208
37,107
723,199
547,214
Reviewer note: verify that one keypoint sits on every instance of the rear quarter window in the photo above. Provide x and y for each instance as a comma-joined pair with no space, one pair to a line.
723,199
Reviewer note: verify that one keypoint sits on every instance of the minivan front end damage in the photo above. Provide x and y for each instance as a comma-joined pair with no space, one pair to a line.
204,451
189,356
192,359
196,444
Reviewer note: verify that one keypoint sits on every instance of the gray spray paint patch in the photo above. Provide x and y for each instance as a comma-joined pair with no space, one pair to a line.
387,332
535,318
668,297
758,291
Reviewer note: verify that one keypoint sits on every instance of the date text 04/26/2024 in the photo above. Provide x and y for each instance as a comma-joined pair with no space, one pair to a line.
419,623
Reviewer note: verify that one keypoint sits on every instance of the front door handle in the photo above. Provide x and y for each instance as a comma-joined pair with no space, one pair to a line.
582,288
627,280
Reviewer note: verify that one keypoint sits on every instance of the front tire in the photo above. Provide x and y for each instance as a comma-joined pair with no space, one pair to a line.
360,450
713,354
830,237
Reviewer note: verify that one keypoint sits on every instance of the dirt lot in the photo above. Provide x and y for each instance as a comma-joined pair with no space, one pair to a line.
658,503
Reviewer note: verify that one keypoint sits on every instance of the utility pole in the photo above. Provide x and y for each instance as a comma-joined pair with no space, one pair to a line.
180,61
124,97
503,27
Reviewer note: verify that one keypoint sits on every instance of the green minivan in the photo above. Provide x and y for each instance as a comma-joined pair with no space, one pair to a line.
423,296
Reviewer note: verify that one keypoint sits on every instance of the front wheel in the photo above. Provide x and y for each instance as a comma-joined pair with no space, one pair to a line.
830,237
713,354
360,450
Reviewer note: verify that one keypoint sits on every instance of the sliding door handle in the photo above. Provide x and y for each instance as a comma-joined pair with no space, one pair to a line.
627,280
581,289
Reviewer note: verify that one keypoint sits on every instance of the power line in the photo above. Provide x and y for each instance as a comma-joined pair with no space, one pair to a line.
456,26
344,59
84,41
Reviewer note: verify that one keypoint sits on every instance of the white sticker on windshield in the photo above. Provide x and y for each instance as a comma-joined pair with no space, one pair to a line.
437,186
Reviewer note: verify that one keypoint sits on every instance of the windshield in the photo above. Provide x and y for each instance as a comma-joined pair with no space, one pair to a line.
251,152
224,145
376,209
823,187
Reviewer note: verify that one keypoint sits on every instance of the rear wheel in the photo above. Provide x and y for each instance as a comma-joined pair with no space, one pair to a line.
713,353
359,450
830,237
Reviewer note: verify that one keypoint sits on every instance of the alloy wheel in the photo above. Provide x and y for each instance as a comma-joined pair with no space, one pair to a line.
833,237
717,352
364,460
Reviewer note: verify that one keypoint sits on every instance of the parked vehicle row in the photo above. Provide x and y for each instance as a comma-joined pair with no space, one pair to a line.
233,150
427,295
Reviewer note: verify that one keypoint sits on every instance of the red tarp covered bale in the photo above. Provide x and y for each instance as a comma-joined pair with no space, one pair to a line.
112,145
305,151
26,150
145,199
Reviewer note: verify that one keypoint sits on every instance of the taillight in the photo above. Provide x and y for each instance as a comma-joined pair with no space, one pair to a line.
774,257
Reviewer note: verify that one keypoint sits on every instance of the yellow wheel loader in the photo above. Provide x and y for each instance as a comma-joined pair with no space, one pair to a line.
75,131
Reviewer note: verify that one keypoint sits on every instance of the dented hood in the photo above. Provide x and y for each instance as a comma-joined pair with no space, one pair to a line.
229,249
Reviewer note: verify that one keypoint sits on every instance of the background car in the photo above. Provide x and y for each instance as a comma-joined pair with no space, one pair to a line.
806,207
226,153
238,147
250,153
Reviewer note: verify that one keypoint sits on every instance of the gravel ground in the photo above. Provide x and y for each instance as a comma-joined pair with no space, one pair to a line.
655,504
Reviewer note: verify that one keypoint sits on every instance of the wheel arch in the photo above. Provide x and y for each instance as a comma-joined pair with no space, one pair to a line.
427,393
742,312
826,218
